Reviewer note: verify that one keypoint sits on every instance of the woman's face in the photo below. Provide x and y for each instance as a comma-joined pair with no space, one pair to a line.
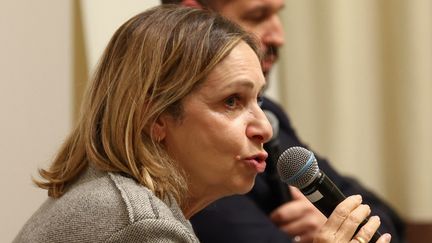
219,140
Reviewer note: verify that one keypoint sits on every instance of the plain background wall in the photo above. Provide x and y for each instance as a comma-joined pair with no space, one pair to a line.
35,101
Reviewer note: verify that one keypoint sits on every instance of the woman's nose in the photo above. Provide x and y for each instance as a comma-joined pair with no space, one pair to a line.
259,129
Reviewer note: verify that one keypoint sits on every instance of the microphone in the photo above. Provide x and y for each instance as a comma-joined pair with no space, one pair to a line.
298,167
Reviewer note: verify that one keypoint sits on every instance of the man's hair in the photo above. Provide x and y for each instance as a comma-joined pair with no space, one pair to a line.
202,2
171,1
150,65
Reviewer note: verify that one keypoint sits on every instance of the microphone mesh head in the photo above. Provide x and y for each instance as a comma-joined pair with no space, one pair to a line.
298,167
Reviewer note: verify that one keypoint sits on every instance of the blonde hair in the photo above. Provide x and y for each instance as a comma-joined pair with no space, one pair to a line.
151,63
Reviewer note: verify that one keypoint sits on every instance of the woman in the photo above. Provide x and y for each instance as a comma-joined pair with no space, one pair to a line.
171,123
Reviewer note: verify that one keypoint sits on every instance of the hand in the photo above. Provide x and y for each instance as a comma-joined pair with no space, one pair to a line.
299,217
343,222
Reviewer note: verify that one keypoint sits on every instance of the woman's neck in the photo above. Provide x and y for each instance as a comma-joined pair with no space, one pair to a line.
197,200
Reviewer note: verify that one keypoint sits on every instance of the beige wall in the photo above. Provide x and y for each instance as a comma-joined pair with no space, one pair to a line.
35,100
101,18
358,84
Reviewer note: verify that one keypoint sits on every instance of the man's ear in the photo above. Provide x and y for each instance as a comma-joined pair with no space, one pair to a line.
192,4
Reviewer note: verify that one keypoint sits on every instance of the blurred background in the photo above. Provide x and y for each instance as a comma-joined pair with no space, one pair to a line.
355,76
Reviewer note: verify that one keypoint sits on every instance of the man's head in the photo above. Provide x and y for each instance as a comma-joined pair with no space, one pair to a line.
256,16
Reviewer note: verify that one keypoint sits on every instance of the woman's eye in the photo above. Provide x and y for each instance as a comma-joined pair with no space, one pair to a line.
232,101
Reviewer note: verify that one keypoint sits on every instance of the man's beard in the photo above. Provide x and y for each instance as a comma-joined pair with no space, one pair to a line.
271,55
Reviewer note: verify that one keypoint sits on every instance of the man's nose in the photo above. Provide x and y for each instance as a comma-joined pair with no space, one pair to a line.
274,34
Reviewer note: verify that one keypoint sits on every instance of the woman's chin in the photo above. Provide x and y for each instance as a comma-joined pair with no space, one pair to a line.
246,185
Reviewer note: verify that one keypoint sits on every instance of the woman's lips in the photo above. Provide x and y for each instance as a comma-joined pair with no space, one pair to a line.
258,161
258,165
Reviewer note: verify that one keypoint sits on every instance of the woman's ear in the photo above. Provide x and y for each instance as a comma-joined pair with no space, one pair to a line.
159,127
192,4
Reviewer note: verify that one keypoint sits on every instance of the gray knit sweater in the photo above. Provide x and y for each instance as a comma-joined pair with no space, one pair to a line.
107,207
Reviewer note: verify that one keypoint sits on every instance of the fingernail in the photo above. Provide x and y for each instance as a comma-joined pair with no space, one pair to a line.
387,237
358,197
375,217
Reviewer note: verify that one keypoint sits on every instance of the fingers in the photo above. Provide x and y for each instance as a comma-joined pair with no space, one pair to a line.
367,231
341,212
385,238
309,223
354,219
291,211
299,218
296,193
345,220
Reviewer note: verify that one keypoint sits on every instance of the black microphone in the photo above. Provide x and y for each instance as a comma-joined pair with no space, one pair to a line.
298,167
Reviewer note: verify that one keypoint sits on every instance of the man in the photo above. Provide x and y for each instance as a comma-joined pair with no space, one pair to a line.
272,212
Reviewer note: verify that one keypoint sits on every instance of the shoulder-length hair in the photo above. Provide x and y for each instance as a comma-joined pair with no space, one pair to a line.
151,63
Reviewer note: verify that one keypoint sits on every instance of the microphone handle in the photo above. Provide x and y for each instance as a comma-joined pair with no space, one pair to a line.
325,196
